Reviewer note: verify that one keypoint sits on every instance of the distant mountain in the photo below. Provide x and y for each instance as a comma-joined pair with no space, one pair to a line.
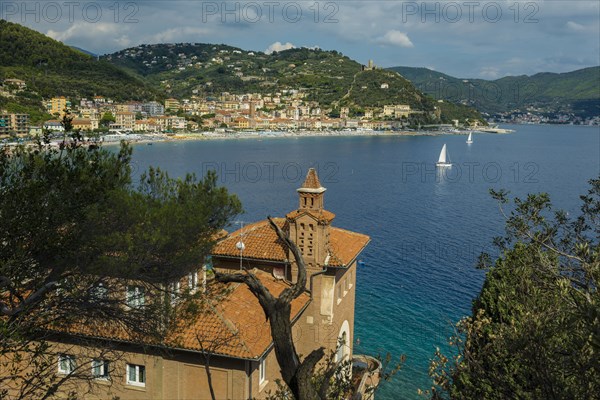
51,68
147,72
334,80
89,53
575,92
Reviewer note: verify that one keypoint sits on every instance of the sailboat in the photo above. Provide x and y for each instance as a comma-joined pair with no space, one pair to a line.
470,138
442,161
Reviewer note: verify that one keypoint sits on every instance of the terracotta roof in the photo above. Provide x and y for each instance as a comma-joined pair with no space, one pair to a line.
239,321
345,246
233,326
261,242
312,180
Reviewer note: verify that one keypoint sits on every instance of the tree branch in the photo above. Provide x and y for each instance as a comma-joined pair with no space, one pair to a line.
35,297
259,290
298,288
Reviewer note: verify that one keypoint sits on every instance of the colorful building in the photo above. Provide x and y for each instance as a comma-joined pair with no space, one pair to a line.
243,363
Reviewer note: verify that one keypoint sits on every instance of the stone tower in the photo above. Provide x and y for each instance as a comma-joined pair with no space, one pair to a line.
309,224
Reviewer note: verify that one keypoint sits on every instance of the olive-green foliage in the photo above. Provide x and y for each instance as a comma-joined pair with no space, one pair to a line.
576,91
366,91
460,112
73,219
535,328
328,77
52,69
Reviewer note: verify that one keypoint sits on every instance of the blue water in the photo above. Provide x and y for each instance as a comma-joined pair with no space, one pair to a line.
426,228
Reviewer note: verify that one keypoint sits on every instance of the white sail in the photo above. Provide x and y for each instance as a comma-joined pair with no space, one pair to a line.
470,138
442,159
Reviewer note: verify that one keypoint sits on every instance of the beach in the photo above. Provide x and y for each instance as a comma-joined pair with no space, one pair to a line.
192,136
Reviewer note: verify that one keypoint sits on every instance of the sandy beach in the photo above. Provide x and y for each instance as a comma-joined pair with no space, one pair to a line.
192,136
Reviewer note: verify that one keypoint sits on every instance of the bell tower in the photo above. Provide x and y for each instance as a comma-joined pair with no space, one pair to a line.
311,193
309,224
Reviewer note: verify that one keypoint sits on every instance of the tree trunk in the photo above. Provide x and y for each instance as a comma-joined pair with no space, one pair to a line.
297,375
209,377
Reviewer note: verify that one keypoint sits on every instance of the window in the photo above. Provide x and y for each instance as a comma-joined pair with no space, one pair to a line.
174,291
136,375
135,296
66,363
339,355
349,280
262,370
100,369
339,291
193,281
99,293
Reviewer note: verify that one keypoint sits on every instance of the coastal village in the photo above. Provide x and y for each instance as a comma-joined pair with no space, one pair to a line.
228,113
280,111
124,277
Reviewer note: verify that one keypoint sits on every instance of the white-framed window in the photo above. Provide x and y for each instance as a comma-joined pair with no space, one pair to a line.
66,363
136,375
345,285
99,292
262,370
342,343
193,281
174,289
100,369
136,296
349,280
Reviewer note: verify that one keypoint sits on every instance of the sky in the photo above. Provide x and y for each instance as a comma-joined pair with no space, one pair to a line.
466,39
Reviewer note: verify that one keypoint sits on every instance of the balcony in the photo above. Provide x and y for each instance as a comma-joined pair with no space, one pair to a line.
365,376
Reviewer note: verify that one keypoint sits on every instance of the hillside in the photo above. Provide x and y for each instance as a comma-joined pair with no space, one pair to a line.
149,72
52,69
575,92
329,77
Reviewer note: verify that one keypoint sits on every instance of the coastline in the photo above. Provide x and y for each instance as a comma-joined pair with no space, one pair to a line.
189,136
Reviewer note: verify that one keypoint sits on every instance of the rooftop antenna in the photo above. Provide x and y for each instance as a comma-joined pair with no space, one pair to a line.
240,245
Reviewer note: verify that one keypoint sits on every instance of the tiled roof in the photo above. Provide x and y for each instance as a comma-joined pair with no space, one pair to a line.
345,246
261,242
312,180
233,326
238,321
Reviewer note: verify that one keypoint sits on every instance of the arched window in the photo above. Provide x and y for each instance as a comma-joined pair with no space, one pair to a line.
342,343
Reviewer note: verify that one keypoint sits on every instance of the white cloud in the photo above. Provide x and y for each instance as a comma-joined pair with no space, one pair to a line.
180,34
489,72
91,36
278,46
81,29
395,38
576,27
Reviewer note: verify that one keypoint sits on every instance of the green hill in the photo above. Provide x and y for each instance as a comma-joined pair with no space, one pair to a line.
52,69
575,92
329,77
147,72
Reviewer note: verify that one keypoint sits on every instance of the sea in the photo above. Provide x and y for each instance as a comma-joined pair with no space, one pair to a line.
417,277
